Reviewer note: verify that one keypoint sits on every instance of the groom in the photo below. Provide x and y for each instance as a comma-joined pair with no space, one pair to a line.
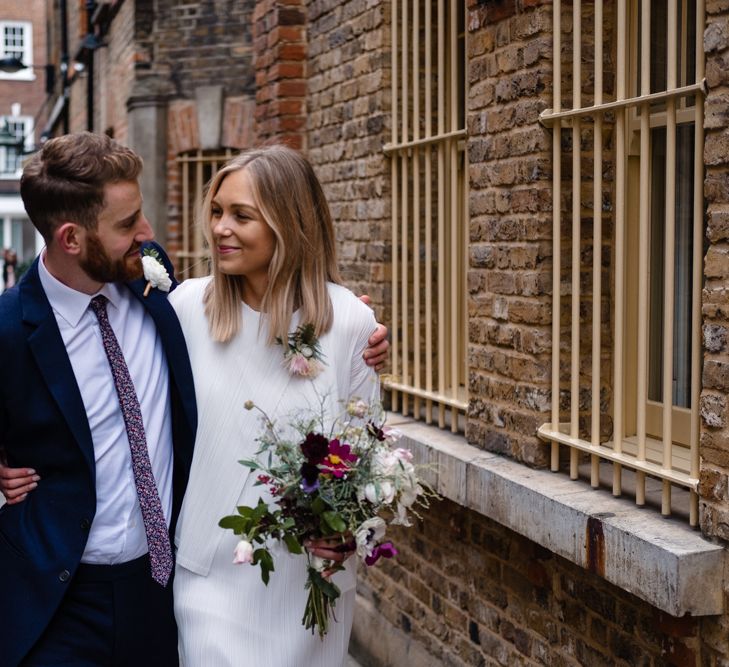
101,405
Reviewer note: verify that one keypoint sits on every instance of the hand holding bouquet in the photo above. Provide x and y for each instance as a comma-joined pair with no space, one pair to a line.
347,481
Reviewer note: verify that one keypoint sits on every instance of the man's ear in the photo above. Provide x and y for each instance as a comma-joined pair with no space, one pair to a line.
69,237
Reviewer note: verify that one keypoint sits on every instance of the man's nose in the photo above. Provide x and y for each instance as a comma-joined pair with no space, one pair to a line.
145,231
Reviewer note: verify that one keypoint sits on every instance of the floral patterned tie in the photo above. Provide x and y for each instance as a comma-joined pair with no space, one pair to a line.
158,538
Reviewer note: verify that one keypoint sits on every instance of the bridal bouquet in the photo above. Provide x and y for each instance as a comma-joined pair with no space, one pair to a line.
348,480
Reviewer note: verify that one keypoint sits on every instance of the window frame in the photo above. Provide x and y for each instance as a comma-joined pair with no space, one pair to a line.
27,135
27,73
685,116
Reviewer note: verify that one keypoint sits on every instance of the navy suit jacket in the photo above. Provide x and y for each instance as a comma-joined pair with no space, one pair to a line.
43,425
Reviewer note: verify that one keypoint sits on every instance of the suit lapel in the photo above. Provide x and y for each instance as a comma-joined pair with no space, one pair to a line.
54,365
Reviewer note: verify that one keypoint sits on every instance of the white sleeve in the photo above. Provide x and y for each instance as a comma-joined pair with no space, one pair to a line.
364,381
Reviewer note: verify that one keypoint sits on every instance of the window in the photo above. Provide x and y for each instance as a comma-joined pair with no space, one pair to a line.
429,211
197,168
657,208
16,41
11,159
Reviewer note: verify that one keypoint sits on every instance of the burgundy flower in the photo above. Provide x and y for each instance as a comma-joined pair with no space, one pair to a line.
376,431
384,550
309,477
315,448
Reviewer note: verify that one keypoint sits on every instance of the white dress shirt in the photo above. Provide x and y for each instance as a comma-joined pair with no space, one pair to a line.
117,532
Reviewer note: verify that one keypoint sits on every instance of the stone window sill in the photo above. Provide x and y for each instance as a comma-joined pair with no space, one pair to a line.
661,561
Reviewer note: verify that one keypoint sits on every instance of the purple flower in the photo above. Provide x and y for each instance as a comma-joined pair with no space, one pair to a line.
384,550
315,448
309,477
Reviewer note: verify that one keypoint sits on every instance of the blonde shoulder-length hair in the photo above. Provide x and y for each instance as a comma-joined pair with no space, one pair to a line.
290,199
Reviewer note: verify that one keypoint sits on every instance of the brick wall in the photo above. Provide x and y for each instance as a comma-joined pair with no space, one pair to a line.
348,100
115,65
202,43
509,280
715,298
76,31
474,593
280,65
468,590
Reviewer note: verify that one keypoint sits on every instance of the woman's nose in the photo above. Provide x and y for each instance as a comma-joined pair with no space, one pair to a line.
221,227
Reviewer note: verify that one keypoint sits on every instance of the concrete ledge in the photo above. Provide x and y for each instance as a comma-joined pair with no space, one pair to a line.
661,561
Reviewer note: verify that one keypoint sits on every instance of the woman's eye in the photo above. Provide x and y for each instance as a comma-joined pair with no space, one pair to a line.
215,213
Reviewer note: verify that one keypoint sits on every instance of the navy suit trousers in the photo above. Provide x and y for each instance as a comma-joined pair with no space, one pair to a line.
111,616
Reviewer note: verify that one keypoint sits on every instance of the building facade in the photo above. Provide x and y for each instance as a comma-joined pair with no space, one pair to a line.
23,107
536,195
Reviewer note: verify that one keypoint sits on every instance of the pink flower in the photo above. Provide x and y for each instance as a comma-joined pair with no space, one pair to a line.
299,365
243,553
340,456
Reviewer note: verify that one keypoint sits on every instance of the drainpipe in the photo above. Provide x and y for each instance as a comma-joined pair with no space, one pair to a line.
90,6
64,63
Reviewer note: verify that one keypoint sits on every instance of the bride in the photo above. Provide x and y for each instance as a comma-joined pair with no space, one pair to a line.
274,269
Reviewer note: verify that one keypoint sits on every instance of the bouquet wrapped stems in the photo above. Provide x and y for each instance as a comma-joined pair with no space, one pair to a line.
320,602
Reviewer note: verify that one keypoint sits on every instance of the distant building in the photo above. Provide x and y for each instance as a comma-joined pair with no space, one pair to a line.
23,108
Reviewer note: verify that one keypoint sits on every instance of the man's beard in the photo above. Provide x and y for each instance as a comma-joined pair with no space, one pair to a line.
100,267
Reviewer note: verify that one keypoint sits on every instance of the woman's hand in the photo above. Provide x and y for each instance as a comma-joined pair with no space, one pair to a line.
336,548
16,483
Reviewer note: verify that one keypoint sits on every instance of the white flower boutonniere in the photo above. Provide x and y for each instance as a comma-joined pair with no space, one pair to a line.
155,271
302,355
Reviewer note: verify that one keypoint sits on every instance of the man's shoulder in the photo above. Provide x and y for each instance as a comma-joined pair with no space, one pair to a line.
11,314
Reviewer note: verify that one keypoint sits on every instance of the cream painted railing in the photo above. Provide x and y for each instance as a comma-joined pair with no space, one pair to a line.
652,432
429,212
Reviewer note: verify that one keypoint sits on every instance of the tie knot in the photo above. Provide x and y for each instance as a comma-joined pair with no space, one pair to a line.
98,304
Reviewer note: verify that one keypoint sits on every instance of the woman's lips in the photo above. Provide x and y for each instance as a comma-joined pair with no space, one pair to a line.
226,249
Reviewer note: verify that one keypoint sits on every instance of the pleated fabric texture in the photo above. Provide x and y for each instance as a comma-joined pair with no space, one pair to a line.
225,614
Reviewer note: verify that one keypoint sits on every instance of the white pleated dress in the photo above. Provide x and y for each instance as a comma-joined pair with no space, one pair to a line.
225,614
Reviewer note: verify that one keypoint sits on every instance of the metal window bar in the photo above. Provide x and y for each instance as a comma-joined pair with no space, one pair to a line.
429,191
196,170
672,462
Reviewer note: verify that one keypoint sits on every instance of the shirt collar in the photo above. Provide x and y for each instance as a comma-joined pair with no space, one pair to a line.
69,303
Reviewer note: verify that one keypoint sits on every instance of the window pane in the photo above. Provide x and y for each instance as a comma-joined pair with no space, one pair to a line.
14,41
685,54
682,265
659,21
656,266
